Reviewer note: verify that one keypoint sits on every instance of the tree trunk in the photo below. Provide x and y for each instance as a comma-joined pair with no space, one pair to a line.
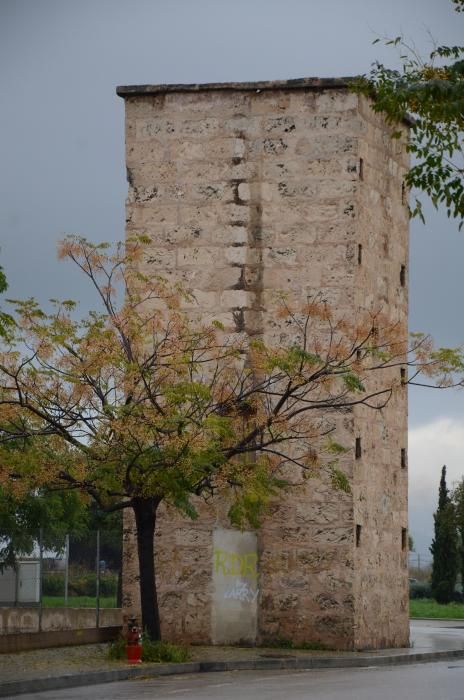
145,518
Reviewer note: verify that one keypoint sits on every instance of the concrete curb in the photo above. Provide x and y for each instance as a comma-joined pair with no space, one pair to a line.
437,619
272,664
76,680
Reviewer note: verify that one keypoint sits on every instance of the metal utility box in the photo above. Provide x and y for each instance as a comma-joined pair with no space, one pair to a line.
21,586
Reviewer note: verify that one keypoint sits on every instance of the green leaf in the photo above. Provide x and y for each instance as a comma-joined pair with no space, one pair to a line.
334,447
353,382
339,480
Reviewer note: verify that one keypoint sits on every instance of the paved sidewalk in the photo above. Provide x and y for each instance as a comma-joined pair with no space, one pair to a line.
47,669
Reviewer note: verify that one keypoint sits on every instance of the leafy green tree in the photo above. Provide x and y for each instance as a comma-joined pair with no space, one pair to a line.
432,92
32,507
458,500
82,546
22,518
444,546
141,404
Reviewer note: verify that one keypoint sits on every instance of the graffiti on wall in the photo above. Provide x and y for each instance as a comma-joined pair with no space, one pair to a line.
234,564
235,586
241,590
239,566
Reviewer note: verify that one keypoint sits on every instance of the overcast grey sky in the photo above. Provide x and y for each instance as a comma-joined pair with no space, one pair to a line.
62,143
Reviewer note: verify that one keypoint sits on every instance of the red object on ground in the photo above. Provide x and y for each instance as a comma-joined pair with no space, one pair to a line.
133,647
134,653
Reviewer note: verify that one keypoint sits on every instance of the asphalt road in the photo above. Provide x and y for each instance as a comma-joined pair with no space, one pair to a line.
438,681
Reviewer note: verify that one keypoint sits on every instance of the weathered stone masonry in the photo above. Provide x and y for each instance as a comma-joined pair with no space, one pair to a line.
246,189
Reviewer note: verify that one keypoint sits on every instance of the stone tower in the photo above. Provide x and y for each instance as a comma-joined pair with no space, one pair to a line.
245,189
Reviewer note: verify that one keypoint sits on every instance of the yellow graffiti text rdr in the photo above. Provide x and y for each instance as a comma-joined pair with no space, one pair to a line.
233,564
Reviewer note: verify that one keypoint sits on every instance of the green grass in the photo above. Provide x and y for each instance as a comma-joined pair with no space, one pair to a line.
82,601
426,607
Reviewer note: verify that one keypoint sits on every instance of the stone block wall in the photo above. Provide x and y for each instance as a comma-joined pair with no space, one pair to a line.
246,190
380,473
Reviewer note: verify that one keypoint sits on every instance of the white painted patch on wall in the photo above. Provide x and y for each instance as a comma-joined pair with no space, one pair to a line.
235,587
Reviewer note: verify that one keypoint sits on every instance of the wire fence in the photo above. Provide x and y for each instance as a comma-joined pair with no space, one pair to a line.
82,573
420,561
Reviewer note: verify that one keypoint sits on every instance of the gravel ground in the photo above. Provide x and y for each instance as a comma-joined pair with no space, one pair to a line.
45,663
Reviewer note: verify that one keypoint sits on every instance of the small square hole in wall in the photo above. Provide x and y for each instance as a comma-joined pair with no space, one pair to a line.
357,448
404,459
403,375
404,539
358,355
358,535
360,254
361,169
403,193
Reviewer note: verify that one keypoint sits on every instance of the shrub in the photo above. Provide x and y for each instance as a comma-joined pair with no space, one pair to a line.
117,649
163,652
53,585
419,589
108,584
313,646
155,652
443,592
281,643
82,585
278,643
86,584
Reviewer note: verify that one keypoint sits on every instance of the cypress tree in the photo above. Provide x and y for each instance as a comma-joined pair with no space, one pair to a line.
444,547
458,500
